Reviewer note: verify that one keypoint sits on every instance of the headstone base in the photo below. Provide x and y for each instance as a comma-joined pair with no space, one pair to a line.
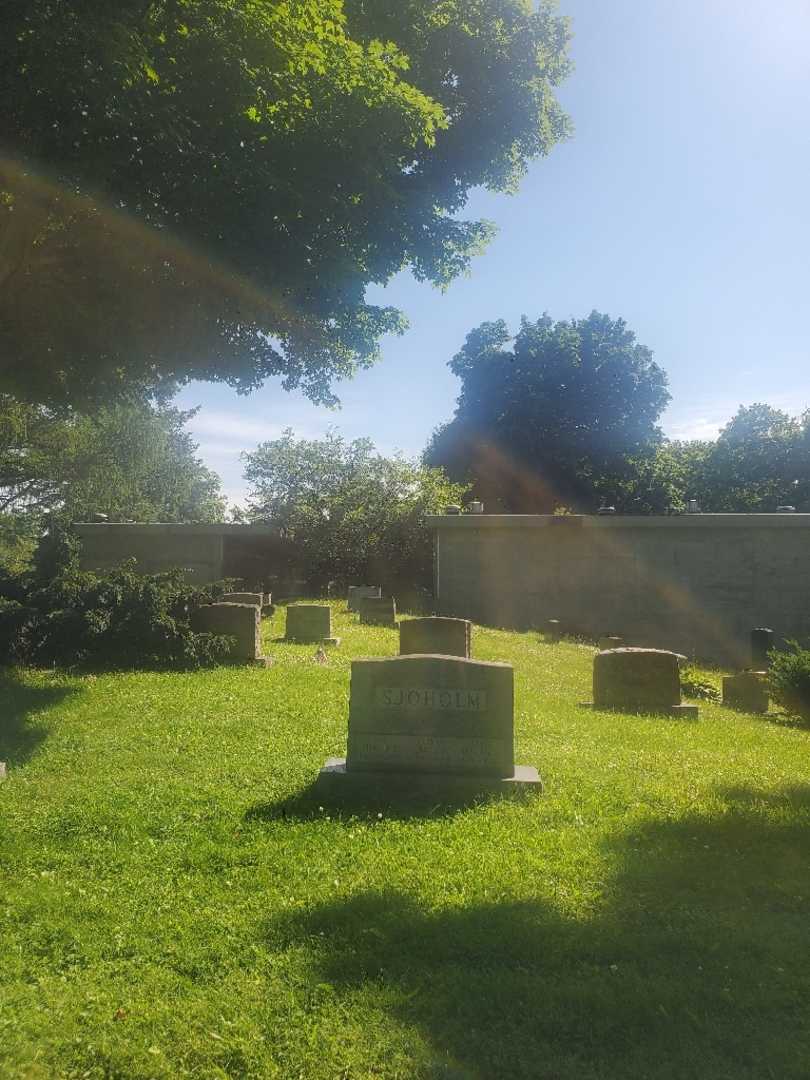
686,712
335,779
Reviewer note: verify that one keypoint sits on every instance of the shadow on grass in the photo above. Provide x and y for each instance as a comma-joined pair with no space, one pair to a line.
312,802
20,736
695,965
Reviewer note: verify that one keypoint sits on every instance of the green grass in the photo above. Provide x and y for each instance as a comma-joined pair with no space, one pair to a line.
169,907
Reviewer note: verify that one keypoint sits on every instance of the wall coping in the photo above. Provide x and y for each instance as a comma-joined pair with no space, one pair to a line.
84,528
618,521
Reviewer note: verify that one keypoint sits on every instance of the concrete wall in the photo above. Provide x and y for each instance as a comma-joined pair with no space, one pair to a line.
200,549
694,583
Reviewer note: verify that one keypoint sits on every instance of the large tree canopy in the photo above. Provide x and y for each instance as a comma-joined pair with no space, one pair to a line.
128,462
205,188
560,418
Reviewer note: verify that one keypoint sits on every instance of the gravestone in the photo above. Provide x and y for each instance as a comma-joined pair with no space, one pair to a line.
747,691
240,621
357,592
310,623
430,723
762,641
255,598
3,772
553,630
435,634
610,642
639,680
378,611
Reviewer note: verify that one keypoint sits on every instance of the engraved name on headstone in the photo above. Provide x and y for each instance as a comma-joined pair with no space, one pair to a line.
431,714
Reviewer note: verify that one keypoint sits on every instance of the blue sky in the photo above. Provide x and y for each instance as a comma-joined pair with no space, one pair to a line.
682,204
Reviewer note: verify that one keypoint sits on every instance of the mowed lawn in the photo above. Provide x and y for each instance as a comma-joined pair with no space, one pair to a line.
171,905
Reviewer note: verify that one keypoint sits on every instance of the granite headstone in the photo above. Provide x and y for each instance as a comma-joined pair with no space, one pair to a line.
356,592
435,634
445,722
239,621
747,691
639,680
310,623
378,610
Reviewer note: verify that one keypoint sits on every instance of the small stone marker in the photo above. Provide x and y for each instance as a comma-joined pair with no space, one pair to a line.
357,592
610,642
435,634
436,724
378,611
747,691
762,641
241,621
3,771
553,630
639,680
310,623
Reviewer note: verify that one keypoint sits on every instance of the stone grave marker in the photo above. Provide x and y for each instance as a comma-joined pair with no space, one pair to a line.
255,598
378,611
3,771
639,680
260,599
553,630
762,641
437,724
747,691
240,621
435,634
357,592
310,624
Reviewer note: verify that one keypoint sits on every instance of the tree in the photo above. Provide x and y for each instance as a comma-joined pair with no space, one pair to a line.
759,461
566,416
346,512
205,188
128,462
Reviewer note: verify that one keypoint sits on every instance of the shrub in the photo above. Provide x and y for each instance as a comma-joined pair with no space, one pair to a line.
114,619
789,679
693,685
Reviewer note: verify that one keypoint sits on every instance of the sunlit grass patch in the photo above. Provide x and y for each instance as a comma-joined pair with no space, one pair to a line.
161,915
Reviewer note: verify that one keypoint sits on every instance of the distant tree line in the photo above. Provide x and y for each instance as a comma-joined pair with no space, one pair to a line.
562,417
